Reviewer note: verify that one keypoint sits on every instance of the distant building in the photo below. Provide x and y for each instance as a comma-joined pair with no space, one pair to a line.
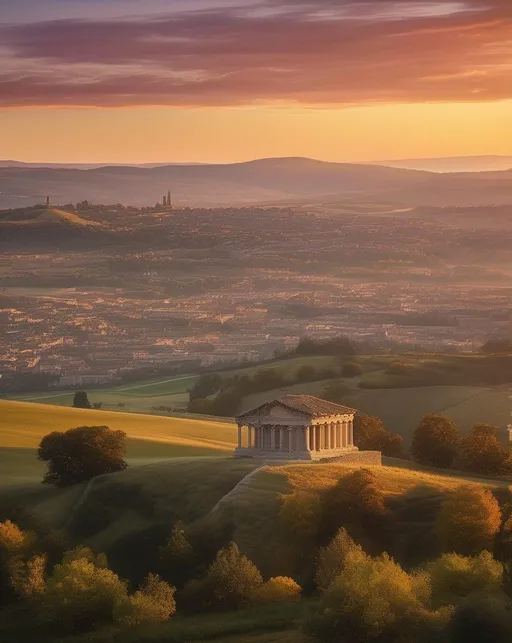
300,427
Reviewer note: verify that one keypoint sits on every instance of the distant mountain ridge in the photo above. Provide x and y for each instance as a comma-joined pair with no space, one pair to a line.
264,181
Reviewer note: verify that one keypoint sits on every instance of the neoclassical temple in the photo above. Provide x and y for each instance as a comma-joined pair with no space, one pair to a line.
296,427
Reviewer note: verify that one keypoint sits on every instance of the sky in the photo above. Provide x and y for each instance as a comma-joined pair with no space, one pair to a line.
231,80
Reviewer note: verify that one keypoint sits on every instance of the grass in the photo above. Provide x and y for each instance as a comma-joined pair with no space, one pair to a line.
150,438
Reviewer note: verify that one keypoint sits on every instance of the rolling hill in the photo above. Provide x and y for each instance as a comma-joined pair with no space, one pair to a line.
150,438
261,181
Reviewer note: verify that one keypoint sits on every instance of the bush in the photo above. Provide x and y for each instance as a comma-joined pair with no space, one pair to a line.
481,452
306,373
486,618
206,385
331,559
81,593
435,441
280,589
80,454
351,369
299,515
468,521
15,546
27,576
152,603
454,577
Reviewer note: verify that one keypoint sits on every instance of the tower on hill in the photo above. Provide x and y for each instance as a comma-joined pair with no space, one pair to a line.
47,201
169,202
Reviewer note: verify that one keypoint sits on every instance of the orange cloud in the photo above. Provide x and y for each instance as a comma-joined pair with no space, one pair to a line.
326,52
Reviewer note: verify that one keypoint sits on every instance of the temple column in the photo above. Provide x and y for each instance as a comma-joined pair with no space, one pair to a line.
351,433
272,439
333,435
281,433
313,438
289,440
306,438
249,437
239,436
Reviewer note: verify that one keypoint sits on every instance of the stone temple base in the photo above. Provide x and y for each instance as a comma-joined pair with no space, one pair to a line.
349,455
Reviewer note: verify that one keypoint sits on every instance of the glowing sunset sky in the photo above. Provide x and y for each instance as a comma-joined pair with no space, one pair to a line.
228,80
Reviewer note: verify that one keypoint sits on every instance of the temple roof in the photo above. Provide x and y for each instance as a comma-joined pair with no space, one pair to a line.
306,404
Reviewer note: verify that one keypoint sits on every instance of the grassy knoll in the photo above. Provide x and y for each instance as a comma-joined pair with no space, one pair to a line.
150,438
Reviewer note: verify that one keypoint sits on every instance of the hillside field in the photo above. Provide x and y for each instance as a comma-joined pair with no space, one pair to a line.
150,438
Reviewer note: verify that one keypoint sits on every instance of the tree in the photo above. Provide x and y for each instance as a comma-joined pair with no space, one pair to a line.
481,452
206,385
454,577
177,555
373,599
351,369
15,545
482,617
435,441
231,580
80,454
469,520
27,576
81,401
153,603
331,559
306,373
81,593
371,435
356,503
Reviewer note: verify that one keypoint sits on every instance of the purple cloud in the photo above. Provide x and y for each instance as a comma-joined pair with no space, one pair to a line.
321,52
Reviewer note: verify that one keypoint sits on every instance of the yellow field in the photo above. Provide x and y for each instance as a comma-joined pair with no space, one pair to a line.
150,438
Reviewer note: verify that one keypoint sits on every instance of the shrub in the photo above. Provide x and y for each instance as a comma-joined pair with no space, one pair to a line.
80,595
152,603
15,546
351,369
486,618
481,452
435,441
454,577
280,589
469,520
80,454
331,559
306,373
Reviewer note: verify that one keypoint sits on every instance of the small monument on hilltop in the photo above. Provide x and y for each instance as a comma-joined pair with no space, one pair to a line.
301,427
47,201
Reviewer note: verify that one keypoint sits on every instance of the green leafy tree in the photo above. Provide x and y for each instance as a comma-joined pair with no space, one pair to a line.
331,559
454,577
483,617
80,454
231,580
481,452
81,595
371,435
469,520
374,599
81,401
435,441
153,603
206,385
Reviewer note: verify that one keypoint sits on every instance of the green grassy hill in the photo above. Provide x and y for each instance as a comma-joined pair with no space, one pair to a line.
150,438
